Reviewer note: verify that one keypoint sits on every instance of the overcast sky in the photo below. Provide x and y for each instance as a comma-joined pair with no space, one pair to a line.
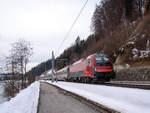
44,23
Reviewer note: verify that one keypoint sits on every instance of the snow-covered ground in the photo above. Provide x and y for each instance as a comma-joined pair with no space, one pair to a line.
125,100
3,98
24,102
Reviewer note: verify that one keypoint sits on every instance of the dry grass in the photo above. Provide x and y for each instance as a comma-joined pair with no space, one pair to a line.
141,64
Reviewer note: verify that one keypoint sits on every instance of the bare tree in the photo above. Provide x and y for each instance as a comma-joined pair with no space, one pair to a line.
10,69
20,53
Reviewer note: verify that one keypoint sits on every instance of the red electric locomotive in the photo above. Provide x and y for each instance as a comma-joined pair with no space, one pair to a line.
96,67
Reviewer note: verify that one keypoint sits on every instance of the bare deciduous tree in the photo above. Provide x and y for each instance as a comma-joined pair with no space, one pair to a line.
10,70
20,53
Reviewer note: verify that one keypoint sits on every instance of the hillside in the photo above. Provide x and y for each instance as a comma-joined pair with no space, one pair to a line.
120,31
136,49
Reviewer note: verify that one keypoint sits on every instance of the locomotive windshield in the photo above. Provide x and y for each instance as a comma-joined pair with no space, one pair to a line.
102,61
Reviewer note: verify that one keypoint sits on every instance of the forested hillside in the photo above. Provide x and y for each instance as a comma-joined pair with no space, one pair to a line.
120,29
41,68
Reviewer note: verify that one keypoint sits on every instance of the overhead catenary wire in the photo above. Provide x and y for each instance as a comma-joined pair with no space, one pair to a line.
74,22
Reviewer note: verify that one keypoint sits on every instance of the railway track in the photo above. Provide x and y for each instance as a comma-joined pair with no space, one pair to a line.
127,84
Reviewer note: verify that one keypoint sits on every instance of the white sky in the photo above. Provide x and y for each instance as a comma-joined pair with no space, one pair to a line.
44,23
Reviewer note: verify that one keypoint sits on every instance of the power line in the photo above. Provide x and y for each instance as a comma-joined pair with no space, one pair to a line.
66,36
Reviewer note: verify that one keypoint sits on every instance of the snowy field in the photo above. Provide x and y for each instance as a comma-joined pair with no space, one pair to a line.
24,102
125,100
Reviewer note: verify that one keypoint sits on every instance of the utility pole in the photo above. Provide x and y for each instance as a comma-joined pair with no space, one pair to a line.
53,68
147,45
53,59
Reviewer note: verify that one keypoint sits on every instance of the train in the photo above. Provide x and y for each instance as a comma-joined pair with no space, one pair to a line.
94,68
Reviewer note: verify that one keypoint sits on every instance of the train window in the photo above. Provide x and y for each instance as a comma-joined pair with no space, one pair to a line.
77,74
81,73
102,61
73,74
89,62
106,58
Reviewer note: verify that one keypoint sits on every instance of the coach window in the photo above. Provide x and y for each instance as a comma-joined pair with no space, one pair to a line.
89,62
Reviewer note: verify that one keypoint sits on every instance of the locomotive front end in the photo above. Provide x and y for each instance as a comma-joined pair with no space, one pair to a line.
103,70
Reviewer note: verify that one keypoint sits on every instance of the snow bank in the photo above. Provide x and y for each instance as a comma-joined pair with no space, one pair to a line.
125,100
140,53
25,102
